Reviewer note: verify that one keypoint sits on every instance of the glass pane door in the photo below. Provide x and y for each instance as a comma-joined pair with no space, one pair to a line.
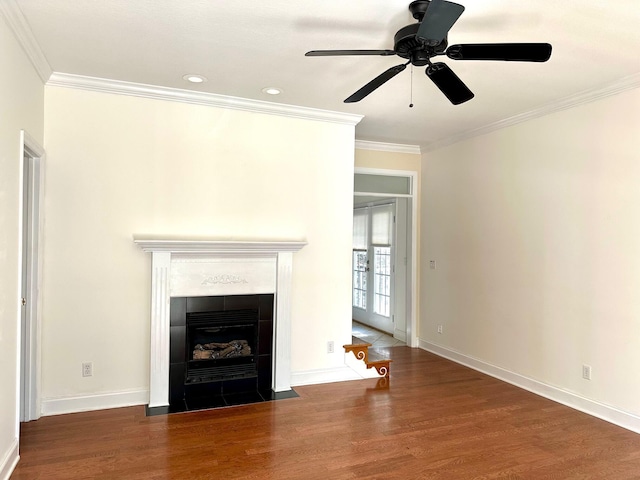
360,279
372,267
382,281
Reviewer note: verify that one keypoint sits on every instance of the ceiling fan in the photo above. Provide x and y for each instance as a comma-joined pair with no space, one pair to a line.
420,42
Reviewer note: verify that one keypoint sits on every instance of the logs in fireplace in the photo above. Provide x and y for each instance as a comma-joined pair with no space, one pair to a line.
221,349
232,349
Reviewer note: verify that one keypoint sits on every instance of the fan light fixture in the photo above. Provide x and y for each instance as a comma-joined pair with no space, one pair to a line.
272,91
195,78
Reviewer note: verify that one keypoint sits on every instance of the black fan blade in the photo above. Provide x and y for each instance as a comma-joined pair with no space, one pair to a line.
333,53
375,83
449,83
509,52
438,20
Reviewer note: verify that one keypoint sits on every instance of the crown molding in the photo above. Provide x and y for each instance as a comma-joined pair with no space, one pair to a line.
388,147
622,85
119,87
24,36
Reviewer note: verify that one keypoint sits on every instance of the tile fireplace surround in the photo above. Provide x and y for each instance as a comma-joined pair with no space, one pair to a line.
193,268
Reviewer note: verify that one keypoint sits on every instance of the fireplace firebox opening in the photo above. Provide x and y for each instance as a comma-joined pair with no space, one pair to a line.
221,352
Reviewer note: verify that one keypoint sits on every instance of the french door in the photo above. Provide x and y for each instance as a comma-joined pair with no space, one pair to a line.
373,254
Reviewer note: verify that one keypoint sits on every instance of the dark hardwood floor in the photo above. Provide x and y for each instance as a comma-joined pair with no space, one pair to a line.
434,420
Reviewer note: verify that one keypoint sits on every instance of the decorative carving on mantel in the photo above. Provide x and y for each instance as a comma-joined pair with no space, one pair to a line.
223,279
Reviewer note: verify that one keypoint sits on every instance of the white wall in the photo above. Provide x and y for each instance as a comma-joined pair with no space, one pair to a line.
119,166
536,233
21,107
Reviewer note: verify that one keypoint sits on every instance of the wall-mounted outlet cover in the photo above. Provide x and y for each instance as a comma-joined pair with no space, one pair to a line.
87,369
330,346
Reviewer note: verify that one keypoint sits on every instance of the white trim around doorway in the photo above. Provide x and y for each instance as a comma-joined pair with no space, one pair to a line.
412,334
30,357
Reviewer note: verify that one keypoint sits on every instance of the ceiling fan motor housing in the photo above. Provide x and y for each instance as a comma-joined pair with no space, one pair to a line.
406,45
418,9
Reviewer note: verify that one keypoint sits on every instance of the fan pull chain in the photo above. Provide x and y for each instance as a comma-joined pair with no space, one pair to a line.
411,88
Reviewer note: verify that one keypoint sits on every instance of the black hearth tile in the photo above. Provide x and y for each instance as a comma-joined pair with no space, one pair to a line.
206,402
200,390
202,403
264,384
242,398
265,333
153,411
264,371
205,304
177,336
270,395
266,306
240,385
178,311
176,383
240,302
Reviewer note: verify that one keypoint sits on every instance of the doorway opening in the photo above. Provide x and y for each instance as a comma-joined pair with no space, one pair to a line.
384,269
30,253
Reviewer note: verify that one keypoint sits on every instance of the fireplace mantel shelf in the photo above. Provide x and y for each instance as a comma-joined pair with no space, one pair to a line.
153,244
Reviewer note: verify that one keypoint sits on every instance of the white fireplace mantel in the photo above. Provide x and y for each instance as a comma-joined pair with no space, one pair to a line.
195,267
219,247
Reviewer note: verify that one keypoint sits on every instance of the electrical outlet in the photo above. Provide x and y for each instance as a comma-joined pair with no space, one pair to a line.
330,346
439,328
432,264
87,369
586,372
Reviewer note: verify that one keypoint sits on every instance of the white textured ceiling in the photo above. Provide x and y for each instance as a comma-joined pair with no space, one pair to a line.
242,48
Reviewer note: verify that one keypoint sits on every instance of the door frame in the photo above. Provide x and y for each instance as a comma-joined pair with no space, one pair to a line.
412,324
29,344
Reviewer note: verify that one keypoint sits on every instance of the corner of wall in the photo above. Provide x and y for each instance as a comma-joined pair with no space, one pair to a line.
9,462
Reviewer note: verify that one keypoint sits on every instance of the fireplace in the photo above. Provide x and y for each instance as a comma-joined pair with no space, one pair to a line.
221,351
190,268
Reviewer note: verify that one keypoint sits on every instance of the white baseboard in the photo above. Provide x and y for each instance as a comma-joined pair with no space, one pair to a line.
102,401
353,369
9,461
325,375
605,412
98,401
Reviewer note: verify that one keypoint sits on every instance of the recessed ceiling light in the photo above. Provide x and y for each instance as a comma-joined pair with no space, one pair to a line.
195,78
272,90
